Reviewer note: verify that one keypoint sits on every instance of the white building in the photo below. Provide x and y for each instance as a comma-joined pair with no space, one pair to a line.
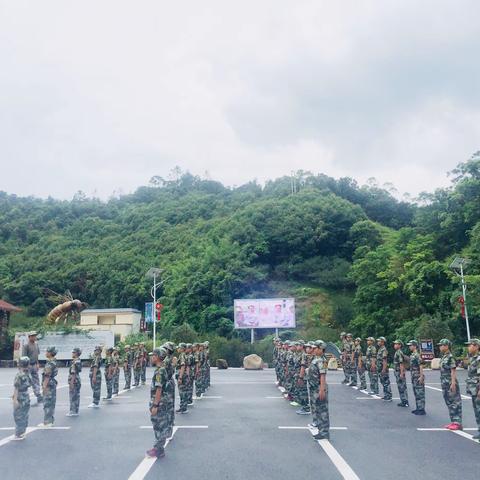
121,321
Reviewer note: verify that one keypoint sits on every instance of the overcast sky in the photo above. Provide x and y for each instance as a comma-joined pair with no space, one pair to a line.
100,96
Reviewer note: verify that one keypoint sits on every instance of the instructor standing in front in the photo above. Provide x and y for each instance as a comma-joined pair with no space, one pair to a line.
32,351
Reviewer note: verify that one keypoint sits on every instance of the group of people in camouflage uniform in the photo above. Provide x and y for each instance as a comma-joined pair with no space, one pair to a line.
191,368
374,360
301,370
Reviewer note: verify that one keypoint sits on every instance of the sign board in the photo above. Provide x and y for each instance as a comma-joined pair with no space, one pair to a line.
65,343
265,313
426,349
149,312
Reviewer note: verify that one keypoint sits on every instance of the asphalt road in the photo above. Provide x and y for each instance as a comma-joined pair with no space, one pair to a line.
234,433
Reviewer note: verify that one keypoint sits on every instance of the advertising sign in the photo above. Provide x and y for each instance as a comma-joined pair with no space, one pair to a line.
426,349
265,313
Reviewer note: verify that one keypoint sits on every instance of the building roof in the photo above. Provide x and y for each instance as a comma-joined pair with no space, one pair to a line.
111,310
8,307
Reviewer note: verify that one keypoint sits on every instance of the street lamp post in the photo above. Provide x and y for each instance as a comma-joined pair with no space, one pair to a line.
154,272
457,266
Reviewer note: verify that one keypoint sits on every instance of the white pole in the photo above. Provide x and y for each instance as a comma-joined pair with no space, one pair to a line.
252,335
154,309
464,290
276,333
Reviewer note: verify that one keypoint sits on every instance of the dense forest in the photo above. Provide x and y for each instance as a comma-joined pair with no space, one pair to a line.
354,257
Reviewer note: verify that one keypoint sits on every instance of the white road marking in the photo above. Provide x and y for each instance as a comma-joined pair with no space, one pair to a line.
208,396
308,428
342,466
438,429
147,463
6,440
464,397
276,397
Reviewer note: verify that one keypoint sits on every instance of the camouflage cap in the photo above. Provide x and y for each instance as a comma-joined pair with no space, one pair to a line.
473,341
181,345
115,349
127,347
110,350
342,334
371,339
77,351
399,342
169,347
349,335
98,347
23,362
445,341
358,339
33,333
320,344
188,345
160,353
301,342
412,342
52,350
135,344
381,339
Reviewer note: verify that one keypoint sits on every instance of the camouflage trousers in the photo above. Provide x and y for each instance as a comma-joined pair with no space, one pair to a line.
109,383
419,392
198,385
301,393
453,402
183,393
345,370
170,404
321,417
373,379
402,387
116,382
160,427
74,394
143,374
476,409
20,415
96,388
127,372
190,388
33,372
360,371
385,381
49,402
136,375
350,372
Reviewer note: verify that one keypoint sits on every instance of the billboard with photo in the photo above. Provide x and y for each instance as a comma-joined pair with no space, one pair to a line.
264,313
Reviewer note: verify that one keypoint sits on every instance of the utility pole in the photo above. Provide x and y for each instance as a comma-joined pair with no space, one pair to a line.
457,266
154,272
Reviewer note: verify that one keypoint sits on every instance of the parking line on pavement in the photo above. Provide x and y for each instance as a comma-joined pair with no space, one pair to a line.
6,440
308,428
464,397
461,433
147,463
342,466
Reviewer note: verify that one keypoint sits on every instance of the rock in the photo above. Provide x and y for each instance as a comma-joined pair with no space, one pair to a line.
332,364
435,365
222,364
252,362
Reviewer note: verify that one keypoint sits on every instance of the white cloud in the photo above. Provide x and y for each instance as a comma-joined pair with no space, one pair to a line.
100,96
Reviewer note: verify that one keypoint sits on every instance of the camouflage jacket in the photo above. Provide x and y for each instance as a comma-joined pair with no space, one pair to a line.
447,364
473,376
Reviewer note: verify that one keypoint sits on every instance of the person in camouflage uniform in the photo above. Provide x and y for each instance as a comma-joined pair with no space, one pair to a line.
290,370
343,341
317,379
32,351
297,366
96,376
21,398
399,365
418,379
302,385
190,359
158,404
382,369
359,364
116,371
371,365
127,367
109,373
349,346
473,380
144,360
74,382
198,360
49,385
207,365
182,378
137,365
169,364
450,387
